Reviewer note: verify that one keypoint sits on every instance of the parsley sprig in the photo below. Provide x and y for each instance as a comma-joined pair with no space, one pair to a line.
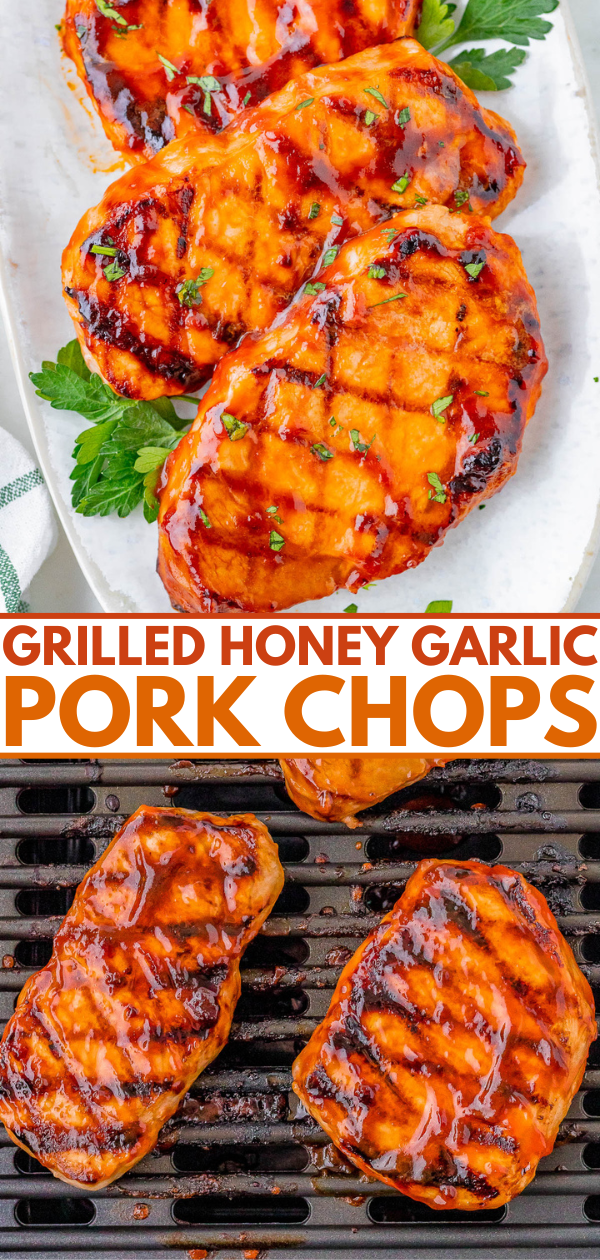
515,21
118,459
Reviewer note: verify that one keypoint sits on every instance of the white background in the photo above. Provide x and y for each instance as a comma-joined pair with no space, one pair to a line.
60,586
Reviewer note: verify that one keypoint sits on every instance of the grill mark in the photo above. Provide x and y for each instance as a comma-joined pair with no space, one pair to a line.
108,325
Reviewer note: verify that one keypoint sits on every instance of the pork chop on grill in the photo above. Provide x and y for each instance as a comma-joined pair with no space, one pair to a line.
214,236
337,787
157,69
340,446
455,1041
140,991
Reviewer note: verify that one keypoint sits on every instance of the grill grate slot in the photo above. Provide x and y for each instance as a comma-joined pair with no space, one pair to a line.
240,1169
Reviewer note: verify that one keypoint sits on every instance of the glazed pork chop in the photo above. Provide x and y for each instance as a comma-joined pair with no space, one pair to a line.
157,69
337,788
341,445
456,1039
140,991
213,237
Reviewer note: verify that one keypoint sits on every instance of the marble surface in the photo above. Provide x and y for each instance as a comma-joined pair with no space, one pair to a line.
60,586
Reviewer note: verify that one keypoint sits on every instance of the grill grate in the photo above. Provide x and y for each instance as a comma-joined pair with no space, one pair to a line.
240,1171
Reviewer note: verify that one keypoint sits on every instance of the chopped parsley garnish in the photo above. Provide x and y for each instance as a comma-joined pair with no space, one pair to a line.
169,69
272,512
302,104
204,518
314,211
352,608
440,495
316,287
107,11
370,117
246,98
276,542
321,381
375,272
114,271
209,84
439,606
390,233
81,31
189,292
394,298
419,200
330,255
482,393
337,220
401,184
323,452
462,197
333,422
404,117
378,97
474,438
474,269
357,444
110,251
235,428
439,406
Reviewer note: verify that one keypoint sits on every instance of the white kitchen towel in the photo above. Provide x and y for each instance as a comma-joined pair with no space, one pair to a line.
27,525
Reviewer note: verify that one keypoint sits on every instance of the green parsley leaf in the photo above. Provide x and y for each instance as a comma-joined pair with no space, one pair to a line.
149,458
375,272
107,11
514,20
302,104
401,184
71,357
378,97
110,251
394,298
114,271
235,428
330,255
474,438
169,69
403,116
482,393
440,495
67,390
322,451
474,269
462,197
272,512
419,200
333,422
358,445
209,84
204,518
276,542
370,117
440,405
337,220
314,211
321,381
390,233
436,24
487,72
316,287
352,608
189,292
246,98
439,606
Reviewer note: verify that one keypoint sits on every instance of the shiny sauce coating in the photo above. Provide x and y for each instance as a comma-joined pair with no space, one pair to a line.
139,993
456,1039
339,787
213,237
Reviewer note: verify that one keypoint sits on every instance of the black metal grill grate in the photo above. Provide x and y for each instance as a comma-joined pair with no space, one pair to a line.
240,1171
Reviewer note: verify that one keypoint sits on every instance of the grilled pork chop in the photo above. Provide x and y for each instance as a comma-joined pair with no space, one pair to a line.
157,69
340,446
139,993
337,788
212,238
456,1038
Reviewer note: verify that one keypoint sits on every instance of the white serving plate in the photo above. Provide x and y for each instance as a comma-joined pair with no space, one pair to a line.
532,547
